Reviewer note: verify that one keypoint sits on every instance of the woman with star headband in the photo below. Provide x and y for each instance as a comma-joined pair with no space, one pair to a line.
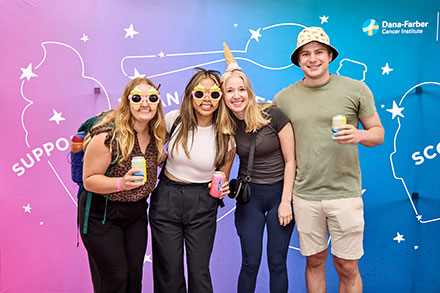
182,212
116,237
272,176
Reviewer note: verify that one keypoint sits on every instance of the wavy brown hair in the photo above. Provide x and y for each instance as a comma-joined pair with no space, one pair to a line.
221,120
121,121
255,116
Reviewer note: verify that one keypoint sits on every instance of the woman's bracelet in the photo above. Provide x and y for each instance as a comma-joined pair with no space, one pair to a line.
118,184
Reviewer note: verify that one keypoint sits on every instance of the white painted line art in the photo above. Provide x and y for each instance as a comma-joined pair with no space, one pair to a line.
396,112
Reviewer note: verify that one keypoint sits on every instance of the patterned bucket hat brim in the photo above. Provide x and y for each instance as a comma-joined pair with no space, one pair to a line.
312,34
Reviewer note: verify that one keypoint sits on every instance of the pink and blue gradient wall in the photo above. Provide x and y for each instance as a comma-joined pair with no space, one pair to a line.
53,54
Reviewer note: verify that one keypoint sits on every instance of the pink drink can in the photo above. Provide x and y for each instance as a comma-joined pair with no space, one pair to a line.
218,178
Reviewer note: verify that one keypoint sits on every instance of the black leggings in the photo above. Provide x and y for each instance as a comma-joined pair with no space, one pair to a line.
250,220
117,248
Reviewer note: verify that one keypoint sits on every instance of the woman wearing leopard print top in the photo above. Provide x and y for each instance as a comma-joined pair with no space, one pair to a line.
116,238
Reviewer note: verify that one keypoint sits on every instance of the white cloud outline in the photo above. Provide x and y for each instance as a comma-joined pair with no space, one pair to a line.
30,102
418,216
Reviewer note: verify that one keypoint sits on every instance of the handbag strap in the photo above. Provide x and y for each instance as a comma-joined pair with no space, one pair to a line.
251,157
173,127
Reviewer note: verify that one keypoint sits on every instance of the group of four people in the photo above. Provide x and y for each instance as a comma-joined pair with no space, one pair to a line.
296,163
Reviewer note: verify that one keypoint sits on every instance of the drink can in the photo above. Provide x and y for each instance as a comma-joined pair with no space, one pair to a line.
140,163
338,120
218,178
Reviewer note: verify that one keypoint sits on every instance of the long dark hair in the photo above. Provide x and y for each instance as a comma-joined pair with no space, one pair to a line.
220,118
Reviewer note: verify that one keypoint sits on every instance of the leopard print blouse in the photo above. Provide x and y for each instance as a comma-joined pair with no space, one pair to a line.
122,168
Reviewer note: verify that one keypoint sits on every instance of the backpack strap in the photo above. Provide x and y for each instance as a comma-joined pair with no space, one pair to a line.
89,203
87,212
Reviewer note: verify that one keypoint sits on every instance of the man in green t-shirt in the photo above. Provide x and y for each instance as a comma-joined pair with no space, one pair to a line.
327,190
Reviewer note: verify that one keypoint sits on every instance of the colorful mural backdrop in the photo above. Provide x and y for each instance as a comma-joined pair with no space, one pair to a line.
64,61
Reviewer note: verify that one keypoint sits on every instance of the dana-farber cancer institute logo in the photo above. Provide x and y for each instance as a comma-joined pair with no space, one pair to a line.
371,27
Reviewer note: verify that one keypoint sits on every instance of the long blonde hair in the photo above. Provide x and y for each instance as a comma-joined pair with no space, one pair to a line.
255,116
222,122
121,121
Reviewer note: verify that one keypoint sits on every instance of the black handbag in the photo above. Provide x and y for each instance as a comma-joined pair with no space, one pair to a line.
240,188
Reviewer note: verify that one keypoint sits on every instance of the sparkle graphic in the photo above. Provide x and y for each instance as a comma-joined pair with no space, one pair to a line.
27,208
235,24
386,69
136,74
399,237
130,32
57,117
324,19
396,110
161,54
84,38
147,258
27,72
255,34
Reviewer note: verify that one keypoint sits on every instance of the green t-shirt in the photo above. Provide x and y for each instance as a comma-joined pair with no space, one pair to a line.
325,169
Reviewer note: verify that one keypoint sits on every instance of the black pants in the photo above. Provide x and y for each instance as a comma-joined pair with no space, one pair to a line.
117,248
182,214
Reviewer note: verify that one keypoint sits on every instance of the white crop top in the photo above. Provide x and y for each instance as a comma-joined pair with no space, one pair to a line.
200,167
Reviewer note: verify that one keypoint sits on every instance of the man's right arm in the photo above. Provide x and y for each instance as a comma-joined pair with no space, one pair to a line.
373,133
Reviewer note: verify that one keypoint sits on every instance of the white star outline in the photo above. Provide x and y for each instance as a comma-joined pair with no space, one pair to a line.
147,258
27,208
84,38
255,34
386,69
396,110
324,19
401,179
57,117
27,72
161,54
136,74
130,32
399,237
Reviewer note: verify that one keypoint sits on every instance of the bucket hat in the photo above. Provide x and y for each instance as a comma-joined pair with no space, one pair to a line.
312,34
